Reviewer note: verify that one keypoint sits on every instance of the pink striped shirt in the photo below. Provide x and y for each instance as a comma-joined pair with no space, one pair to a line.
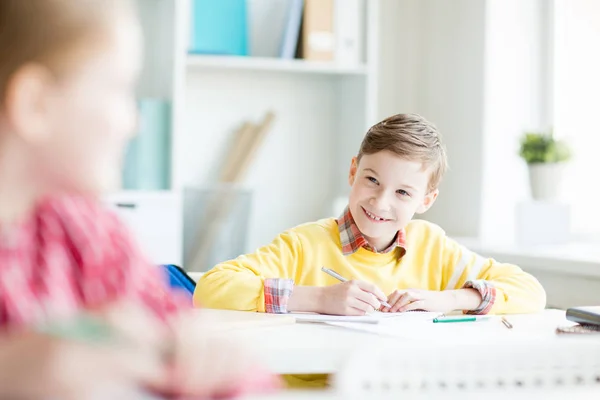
73,254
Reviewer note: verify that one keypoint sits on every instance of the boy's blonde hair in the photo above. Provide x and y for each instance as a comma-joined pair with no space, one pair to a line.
412,137
47,31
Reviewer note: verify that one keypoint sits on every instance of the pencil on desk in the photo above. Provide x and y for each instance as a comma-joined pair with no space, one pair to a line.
506,323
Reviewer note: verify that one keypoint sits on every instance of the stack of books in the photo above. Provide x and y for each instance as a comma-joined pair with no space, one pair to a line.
315,30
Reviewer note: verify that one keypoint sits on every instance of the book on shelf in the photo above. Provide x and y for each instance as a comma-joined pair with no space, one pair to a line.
314,30
318,37
349,31
219,27
267,22
289,43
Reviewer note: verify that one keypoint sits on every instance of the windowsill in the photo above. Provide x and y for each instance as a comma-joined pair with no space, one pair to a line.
577,258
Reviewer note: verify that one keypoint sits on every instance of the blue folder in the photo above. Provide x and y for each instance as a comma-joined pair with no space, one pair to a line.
179,279
219,27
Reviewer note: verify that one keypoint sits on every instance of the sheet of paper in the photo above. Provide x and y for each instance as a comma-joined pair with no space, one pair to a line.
373,318
227,320
382,330
421,328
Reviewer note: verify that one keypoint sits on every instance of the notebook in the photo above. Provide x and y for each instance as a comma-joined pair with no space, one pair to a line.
443,368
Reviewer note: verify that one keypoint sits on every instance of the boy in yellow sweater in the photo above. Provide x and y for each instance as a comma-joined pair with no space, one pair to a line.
387,256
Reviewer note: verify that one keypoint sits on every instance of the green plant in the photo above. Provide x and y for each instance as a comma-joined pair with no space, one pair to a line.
542,147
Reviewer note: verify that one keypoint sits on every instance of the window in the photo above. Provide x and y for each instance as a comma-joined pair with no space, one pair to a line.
576,105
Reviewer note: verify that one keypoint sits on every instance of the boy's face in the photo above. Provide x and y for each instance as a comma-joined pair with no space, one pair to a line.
76,137
386,191
96,114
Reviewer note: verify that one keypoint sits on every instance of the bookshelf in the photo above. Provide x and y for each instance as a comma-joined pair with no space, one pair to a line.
322,111
273,65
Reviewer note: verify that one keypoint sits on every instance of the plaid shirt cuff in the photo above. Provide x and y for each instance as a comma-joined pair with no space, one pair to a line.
488,295
277,294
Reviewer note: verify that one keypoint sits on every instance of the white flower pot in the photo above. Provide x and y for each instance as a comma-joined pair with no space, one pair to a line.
545,180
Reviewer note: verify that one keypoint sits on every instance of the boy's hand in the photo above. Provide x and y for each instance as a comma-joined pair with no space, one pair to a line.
432,300
205,363
82,371
77,366
350,298
417,299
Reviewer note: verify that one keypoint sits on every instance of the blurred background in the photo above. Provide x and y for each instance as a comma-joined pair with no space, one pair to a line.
252,109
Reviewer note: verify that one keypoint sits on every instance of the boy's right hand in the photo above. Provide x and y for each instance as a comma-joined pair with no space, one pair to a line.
41,366
350,298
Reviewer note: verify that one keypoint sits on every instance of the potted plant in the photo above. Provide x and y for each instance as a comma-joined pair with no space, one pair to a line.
546,158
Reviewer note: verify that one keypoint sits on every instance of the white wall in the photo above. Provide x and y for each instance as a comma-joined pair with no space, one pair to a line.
432,64
451,96
564,290
514,33
400,60
577,83
474,68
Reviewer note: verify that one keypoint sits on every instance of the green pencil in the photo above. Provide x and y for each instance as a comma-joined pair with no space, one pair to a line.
458,318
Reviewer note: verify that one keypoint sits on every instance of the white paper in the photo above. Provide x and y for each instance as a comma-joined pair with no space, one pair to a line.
418,328
373,318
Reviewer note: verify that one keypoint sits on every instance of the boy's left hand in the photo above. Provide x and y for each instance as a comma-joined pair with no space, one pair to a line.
418,299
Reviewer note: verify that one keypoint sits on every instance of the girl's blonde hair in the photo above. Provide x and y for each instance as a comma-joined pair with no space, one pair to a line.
47,32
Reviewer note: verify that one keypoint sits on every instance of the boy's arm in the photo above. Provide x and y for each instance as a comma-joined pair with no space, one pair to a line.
37,365
261,281
504,288
20,359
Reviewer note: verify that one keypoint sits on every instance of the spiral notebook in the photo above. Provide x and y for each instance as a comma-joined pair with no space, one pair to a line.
441,369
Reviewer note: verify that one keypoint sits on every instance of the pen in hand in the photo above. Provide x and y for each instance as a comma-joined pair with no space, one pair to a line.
342,279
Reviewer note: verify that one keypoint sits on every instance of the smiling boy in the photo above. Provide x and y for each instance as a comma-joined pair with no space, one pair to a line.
377,245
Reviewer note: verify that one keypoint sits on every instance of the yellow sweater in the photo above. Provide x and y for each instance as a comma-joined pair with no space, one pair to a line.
432,261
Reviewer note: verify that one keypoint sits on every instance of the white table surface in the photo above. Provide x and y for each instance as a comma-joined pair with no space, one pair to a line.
560,394
305,348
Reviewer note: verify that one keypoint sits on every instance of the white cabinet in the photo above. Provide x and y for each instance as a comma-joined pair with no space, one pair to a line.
155,219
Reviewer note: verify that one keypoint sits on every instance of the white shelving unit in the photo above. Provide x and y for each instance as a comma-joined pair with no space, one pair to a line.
322,112
273,65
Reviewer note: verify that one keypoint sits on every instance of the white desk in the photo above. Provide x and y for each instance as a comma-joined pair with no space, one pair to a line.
315,348
561,394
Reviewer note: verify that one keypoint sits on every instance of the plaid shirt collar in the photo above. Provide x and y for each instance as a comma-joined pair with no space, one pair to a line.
352,239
